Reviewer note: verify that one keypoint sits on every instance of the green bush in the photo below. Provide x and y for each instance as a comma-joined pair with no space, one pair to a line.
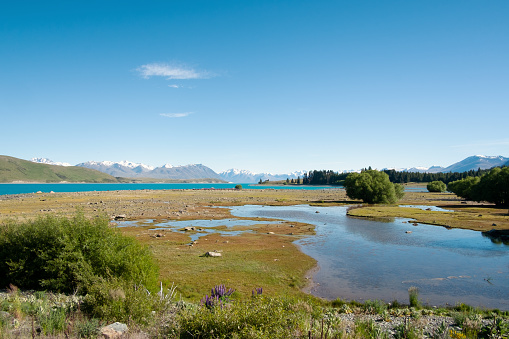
118,300
66,255
238,187
436,186
373,187
259,317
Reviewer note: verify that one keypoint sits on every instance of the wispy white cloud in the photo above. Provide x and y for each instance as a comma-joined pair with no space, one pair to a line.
171,72
174,86
175,115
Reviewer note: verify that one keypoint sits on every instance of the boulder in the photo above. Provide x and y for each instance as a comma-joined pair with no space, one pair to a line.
115,330
213,254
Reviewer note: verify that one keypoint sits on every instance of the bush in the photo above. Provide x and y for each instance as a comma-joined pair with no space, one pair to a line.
238,187
373,187
259,317
436,186
67,255
492,187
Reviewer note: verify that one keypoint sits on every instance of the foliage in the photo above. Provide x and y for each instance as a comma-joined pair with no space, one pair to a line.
118,300
238,187
445,177
373,187
464,188
65,255
218,295
436,186
413,296
492,187
259,317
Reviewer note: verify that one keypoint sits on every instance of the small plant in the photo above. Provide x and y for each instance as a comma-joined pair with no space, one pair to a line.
257,291
238,187
375,306
87,328
413,296
368,329
218,295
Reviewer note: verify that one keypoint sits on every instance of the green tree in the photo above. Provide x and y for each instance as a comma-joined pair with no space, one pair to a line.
373,187
494,187
465,188
238,187
436,186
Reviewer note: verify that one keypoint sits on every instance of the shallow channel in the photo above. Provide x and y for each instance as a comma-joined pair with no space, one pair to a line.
362,259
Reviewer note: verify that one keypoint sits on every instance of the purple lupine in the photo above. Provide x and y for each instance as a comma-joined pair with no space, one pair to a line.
217,295
258,290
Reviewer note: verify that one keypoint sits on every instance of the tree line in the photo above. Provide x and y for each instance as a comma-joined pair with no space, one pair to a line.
329,177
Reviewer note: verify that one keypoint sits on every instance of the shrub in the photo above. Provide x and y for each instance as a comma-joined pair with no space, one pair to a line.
436,186
373,187
64,255
258,317
118,300
238,187
413,296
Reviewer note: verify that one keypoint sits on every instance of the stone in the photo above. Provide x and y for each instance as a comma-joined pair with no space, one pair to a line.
115,330
120,216
408,232
189,228
213,254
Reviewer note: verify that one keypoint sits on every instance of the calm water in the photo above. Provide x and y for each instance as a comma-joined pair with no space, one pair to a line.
32,188
361,259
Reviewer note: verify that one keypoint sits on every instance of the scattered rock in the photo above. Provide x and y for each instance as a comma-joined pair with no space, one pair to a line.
120,216
270,232
189,228
213,254
493,224
115,330
408,232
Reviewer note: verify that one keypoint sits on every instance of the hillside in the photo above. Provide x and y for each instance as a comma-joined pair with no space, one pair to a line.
14,169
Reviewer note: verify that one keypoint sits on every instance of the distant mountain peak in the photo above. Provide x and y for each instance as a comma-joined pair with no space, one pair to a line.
246,176
49,162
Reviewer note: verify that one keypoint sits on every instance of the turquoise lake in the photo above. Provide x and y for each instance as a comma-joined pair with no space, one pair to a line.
68,187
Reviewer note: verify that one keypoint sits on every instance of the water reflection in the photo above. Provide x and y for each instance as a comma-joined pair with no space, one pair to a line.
360,258
497,237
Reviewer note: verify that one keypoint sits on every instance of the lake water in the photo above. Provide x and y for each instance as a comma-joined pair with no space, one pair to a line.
69,187
362,259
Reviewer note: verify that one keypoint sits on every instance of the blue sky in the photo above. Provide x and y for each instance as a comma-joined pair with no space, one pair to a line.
268,86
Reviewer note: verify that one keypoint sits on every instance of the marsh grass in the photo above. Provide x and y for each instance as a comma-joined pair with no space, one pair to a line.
413,296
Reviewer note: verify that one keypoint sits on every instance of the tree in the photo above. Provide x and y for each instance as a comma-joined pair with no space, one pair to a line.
436,186
373,187
464,188
238,187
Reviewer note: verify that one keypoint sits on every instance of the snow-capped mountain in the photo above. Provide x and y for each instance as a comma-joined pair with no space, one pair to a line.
49,162
471,163
475,162
127,169
245,176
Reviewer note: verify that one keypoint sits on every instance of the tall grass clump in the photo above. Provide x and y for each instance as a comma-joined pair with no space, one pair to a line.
413,296
70,254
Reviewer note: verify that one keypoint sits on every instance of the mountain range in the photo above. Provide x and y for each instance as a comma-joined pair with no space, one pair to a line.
128,169
471,163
